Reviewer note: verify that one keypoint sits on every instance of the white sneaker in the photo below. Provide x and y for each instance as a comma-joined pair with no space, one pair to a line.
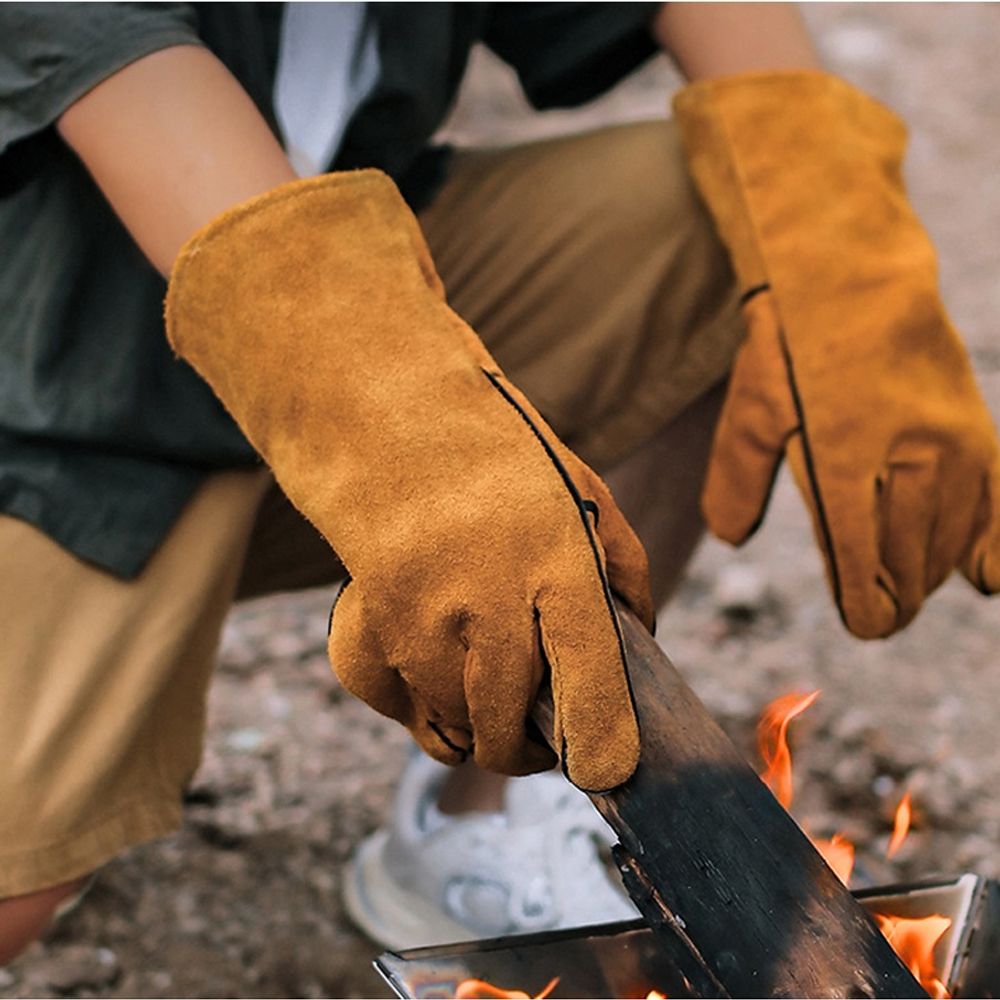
70,903
429,879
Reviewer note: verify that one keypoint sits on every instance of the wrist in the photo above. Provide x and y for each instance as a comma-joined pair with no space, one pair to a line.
710,40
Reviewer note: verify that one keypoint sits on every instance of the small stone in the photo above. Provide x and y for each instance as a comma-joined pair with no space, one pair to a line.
740,591
286,646
278,707
857,44
852,725
161,981
245,740
76,967
852,771
884,786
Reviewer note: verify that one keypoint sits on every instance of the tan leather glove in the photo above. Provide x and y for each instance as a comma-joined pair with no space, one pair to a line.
473,537
850,366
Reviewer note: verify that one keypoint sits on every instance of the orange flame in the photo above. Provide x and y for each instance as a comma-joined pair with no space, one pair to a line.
480,989
772,742
913,939
900,826
838,853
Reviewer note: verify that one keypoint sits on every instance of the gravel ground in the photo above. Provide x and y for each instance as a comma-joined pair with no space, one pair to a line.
244,900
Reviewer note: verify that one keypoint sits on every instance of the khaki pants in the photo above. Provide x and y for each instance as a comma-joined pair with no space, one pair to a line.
591,272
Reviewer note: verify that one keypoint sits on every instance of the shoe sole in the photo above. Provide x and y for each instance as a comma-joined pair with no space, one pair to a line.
387,913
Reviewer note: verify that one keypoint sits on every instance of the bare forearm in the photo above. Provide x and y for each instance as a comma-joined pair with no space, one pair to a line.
719,39
173,140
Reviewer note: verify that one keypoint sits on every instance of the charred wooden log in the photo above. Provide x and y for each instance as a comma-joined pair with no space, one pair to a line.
738,896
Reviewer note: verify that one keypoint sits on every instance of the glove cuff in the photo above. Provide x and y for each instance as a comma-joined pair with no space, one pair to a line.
804,138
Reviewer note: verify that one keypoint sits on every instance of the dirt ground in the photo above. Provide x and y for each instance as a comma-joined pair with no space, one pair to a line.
244,900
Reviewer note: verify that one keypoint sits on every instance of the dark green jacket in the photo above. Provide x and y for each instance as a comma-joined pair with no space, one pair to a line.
104,435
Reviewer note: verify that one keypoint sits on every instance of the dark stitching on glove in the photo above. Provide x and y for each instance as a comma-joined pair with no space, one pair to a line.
451,746
578,500
932,530
752,293
581,509
813,479
981,583
333,607
886,589
759,520
564,767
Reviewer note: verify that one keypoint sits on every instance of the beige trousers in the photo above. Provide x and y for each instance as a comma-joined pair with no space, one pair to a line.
591,272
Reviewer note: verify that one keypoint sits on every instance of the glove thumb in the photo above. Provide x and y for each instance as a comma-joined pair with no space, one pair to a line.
756,421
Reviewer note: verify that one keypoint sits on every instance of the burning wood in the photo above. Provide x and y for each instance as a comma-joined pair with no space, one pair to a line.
619,960
772,744
736,900
913,939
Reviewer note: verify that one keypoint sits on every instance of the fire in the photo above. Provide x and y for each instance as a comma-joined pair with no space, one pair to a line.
838,853
479,989
772,742
913,939
900,826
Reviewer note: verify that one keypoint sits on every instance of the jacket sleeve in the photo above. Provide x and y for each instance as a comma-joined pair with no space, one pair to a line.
51,54
569,53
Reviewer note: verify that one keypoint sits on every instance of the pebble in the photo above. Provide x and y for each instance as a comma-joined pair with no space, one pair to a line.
287,645
245,740
75,967
740,591
884,786
856,44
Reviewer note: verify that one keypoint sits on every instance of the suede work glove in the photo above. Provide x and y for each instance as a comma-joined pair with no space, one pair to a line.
479,547
850,367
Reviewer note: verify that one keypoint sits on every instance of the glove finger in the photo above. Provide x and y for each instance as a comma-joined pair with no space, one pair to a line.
359,661
623,558
846,522
595,721
757,418
945,511
625,562
908,499
503,668
981,565
430,657
448,744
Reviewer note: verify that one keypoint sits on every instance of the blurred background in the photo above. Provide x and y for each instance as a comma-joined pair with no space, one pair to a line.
244,901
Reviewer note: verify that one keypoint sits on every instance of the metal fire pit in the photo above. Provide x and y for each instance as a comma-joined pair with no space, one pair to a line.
624,960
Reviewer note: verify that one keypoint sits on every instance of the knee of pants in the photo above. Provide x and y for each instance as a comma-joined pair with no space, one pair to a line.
641,194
